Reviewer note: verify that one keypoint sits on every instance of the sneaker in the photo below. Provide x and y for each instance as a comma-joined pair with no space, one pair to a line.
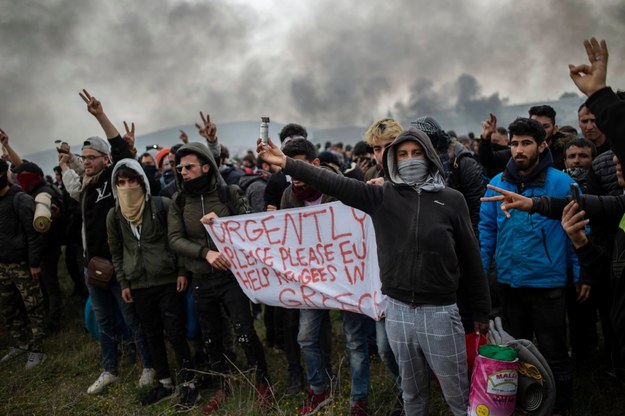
147,377
14,352
359,408
104,380
34,359
314,402
296,383
264,396
216,402
158,393
189,396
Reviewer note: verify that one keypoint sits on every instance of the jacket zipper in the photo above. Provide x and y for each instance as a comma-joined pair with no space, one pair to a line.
414,274
545,244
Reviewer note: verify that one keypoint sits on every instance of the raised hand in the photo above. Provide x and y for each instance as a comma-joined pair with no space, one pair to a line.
270,153
183,137
4,138
511,200
489,126
64,159
93,106
129,137
591,78
209,131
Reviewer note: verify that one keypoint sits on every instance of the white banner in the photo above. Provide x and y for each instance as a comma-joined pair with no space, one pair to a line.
318,257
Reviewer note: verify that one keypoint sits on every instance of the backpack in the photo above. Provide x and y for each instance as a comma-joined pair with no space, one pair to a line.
455,170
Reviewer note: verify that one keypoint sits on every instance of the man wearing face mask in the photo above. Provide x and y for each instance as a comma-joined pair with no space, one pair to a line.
427,251
30,177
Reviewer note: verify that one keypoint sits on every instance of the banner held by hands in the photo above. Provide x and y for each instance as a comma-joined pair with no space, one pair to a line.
317,257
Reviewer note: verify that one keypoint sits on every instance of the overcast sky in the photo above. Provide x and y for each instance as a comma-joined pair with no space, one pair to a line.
321,63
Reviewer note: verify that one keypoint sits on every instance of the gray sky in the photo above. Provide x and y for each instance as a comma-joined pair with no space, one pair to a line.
320,63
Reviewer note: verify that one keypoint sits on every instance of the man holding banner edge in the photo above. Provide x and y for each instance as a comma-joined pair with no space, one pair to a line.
419,270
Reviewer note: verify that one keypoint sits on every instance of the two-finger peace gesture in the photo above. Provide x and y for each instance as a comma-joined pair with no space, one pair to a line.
129,137
209,131
93,105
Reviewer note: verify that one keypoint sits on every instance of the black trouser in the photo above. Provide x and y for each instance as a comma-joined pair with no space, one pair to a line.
52,301
530,312
210,291
162,308
74,264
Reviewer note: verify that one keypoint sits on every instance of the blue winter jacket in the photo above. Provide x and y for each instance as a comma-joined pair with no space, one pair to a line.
530,250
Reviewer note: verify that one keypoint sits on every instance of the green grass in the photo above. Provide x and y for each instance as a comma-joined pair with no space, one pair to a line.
58,386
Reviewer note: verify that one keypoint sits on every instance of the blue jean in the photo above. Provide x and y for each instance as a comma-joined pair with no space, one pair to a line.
104,303
355,333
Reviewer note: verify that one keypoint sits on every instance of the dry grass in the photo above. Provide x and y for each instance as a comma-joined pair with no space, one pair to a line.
58,387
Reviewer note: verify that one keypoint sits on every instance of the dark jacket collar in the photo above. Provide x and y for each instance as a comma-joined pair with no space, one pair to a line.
535,178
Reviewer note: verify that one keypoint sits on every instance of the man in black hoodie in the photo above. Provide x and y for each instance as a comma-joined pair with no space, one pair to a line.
425,240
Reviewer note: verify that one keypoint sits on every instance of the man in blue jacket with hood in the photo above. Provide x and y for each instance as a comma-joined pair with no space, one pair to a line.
532,253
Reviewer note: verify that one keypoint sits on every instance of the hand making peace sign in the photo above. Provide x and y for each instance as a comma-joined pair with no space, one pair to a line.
93,106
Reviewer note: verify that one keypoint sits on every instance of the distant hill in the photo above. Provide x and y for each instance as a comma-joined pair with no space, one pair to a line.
241,136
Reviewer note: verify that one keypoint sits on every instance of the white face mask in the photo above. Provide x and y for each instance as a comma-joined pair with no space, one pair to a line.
413,171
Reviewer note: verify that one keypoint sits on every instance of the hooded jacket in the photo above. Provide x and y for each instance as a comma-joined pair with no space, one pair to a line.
426,247
18,239
530,250
146,261
254,185
465,176
187,236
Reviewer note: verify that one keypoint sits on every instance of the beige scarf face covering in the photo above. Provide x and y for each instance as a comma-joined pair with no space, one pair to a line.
132,203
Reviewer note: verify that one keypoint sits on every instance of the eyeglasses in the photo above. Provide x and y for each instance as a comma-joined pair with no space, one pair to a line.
187,166
91,158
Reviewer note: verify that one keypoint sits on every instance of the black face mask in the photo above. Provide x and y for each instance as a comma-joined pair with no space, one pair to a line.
198,185
150,170
4,181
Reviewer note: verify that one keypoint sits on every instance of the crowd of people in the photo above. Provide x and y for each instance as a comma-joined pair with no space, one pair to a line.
523,222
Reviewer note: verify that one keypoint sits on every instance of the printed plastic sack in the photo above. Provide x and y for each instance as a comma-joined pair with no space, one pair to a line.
473,342
494,382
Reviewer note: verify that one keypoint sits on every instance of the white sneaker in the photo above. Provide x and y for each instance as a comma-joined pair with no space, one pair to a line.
147,377
104,380
34,359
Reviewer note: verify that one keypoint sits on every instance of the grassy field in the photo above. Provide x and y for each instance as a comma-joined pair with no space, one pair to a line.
58,386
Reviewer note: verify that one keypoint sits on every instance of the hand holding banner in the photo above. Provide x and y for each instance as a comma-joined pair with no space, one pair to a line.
317,257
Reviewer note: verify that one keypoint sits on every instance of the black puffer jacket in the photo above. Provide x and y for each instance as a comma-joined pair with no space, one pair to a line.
604,173
426,247
18,239
465,176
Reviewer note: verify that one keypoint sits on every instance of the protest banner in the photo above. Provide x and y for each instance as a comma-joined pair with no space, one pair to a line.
317,257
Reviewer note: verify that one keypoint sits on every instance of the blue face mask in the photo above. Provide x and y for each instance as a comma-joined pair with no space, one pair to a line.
413,171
